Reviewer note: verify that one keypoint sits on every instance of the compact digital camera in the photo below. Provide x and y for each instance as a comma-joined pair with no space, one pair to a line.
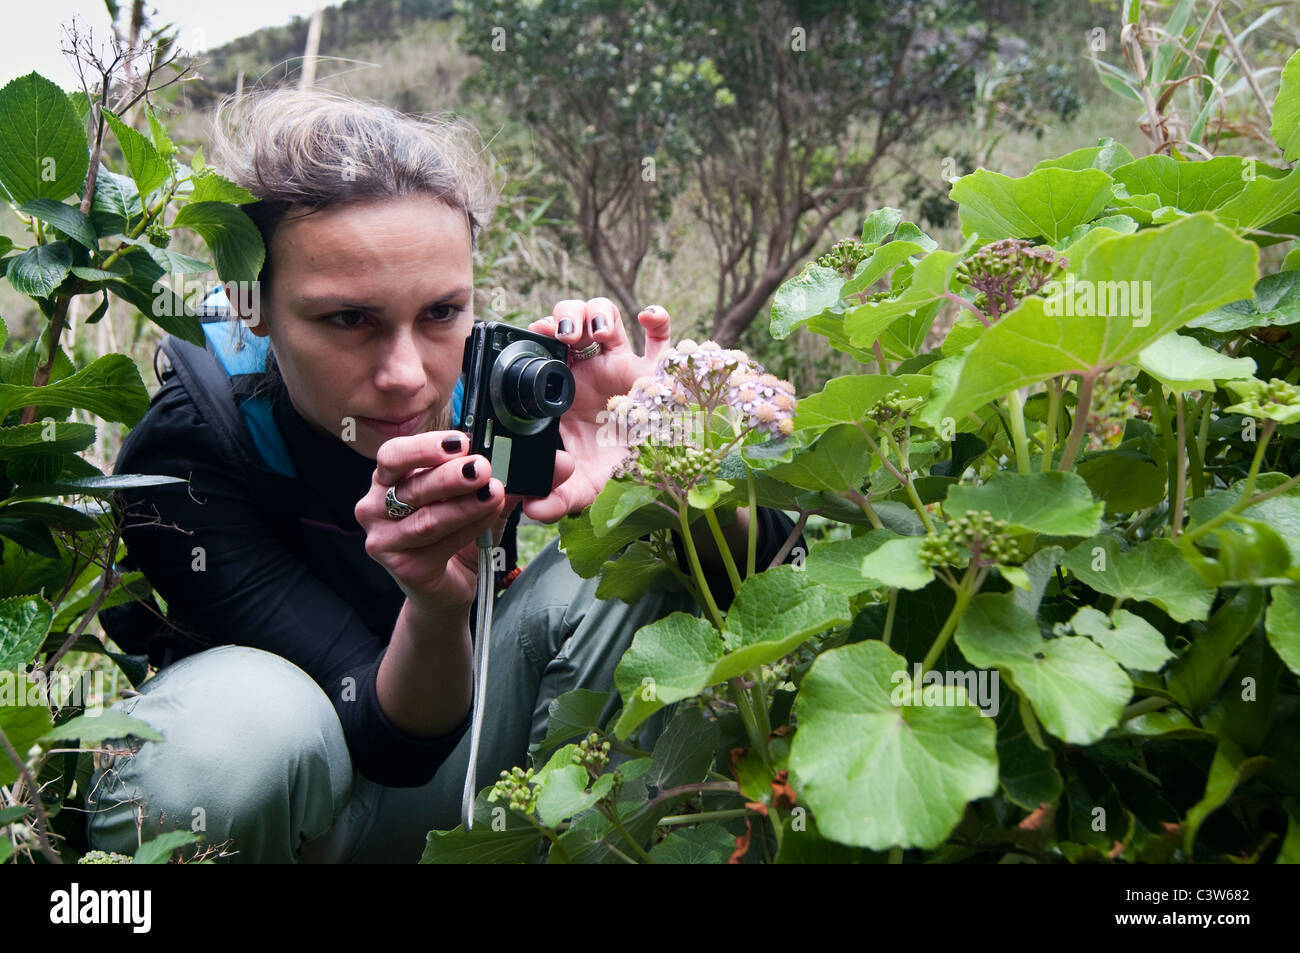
516,386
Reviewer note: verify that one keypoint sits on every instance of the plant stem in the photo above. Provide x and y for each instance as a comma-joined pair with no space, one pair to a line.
42,830
1049,436
1247,500
751,547
889,615
1180,497
756,738
612,813
696,569
1083,406
965,592
1149,704
865,505
902,477
1195,450
1016,404
703,816
724,548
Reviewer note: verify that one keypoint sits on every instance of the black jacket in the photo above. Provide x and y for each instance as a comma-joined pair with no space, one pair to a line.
249,556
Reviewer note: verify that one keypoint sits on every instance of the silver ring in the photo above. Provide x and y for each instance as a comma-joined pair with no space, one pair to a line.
591,350
397,510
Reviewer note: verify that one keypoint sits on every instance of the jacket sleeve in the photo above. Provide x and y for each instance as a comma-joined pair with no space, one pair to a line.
229,579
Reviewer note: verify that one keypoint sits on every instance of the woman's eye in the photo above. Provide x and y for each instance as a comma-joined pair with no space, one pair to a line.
347,319
445,313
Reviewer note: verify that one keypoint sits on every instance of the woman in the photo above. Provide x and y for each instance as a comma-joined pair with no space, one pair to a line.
315,680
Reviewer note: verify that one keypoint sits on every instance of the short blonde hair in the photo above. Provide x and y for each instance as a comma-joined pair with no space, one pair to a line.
305,150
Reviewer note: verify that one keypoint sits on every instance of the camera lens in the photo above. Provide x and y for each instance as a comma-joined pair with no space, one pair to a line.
535,387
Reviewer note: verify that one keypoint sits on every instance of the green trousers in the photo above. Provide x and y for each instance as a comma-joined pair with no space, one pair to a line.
254,754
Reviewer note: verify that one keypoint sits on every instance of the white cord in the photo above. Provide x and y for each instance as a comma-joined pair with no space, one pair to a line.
482,639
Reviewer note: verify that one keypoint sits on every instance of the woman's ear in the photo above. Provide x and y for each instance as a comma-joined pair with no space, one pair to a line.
245,299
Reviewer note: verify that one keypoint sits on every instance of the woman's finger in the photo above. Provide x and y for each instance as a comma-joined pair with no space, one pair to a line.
569,320
543,326
605,324
400,455
656,322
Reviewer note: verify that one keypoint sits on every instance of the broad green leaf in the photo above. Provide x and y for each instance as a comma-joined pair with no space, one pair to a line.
705,496
40,269
1106,227
232,237
838,564
65,217
616,501
668,660
110,387
1230,768
160,304
43,149
23,724
564,793
159,850
1282,623
44,437
879,225
1042,338
172,262
1107,156
148,169
210,186
1127,638
1076,689
161,141
1027,772
1124,480
839,460
876,774
897,563
705,844
633,574
572,714
846,400
1195,676
1286,110
91,486
517,844
684,752
1249,553
588,552
1249,393
1190,186
930,281
1058,504
116,204
90,729
1262,201
880,263
811,292
51,514
1183,364
1152,571
24,623
1276,303
1049,203
1282,512
779,604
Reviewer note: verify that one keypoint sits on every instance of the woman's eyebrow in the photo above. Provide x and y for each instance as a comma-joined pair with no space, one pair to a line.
311,302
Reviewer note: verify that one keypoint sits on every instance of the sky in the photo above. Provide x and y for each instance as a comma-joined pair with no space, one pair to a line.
32,36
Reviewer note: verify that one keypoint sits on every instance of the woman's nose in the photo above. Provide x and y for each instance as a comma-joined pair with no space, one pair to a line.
401,367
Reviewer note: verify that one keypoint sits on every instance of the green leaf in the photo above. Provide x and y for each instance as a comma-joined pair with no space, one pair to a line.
1184,364
483,845
1049,203
684,752
705,496
1276,303
1229,769
838,564
1127,638
618,500
811,292
43,149
160,304
880,224
839,460
108,724
705,844
573,714
210,186
22,724
1041,339
1058,504
92,486
1286,110
68,219
668,660
1107,156
1124,480
172,262
564,794
116,203
44,437
232,237
24,623
782,604
1262,201
897,563
1249,392
40,269
1281,512
1282,623
148,169
633,574
1190,186
1076,689
1027,772
161,141
1152,571
848,400
1195,676
930,282
876,774
159,850
109,387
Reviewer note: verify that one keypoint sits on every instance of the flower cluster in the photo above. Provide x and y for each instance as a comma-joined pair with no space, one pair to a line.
844,257
977,534
515,788
1004,272
592,754
1276,400
105,857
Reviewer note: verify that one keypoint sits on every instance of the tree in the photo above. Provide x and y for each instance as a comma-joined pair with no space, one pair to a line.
771,118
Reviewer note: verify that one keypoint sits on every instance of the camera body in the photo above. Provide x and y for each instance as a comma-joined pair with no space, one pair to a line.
516,386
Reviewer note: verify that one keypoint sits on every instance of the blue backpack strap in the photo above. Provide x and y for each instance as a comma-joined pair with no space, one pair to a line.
457,398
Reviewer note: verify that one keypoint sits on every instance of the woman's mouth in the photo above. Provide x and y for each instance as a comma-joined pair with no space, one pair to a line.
396,428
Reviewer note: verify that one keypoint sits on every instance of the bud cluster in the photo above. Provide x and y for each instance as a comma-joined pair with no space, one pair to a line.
986,540
844,257
893,406
158,235
592,754
1275,400
1004,272
105,857
515,788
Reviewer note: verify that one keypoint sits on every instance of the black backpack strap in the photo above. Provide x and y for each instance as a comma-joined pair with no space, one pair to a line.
206,382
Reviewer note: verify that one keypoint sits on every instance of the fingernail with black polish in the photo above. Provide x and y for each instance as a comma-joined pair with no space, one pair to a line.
485,492
451,444
468,470
566,326
598,323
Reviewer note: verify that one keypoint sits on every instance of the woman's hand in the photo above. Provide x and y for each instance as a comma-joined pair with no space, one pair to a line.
432,553
596,379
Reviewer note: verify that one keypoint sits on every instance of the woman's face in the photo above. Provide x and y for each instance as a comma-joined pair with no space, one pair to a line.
368,310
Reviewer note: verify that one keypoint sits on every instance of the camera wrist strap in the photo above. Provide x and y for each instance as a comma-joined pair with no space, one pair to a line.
482,641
